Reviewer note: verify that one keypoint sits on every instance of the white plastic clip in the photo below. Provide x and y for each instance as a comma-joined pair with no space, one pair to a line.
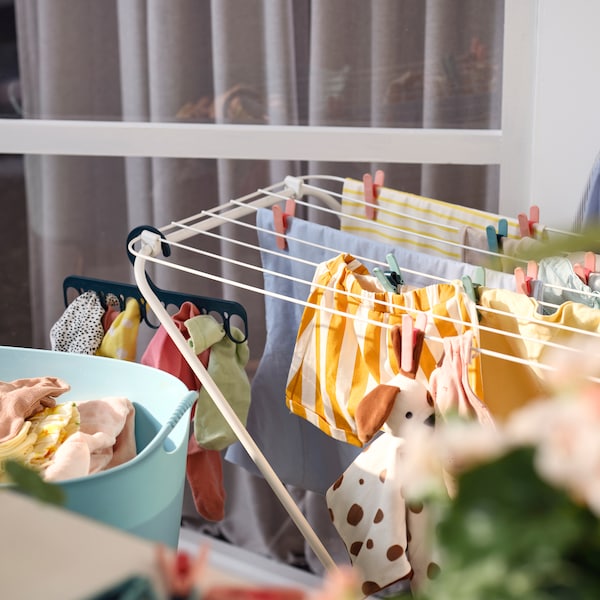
151,240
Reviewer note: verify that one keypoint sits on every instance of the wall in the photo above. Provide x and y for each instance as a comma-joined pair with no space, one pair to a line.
566,134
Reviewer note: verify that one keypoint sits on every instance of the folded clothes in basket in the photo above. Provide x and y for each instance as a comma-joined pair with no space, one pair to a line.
63,441
106,439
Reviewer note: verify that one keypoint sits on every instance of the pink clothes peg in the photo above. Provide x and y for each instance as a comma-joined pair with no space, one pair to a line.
412,338
527,224
371,191
280,220
589,266
523,279
180,572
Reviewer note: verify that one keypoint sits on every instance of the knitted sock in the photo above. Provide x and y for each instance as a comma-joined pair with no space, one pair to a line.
203,467
204,472
227,369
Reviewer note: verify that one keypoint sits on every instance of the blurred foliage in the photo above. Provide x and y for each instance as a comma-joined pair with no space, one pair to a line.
510,535
588,240
27,481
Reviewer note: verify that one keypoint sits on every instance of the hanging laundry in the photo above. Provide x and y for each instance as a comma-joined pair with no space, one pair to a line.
559,271
226,366
387,535
204,468
450,386
112,311
339,358
507,384
120,341
513,251
302,455
415,222
79,329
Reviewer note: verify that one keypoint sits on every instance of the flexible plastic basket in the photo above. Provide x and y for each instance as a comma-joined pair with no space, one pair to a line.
145,495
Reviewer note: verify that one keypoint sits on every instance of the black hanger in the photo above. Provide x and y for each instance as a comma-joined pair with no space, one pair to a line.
226,309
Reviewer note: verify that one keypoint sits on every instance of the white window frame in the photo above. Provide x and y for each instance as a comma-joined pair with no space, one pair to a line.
509,147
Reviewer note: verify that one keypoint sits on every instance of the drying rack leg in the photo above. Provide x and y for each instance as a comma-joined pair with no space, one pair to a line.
229,414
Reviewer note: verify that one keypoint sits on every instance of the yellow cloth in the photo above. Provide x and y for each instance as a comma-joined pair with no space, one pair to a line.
40,437
120,341
509,385
339,359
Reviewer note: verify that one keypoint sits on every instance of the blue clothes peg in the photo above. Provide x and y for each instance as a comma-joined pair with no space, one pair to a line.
494,240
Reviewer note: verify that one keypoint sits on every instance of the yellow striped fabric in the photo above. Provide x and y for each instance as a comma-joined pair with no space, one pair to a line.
340,356
405,219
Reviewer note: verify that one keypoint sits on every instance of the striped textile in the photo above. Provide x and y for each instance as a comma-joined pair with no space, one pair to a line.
338,358
406,219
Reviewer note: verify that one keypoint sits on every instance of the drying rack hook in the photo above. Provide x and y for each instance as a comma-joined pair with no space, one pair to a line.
139,232
227,309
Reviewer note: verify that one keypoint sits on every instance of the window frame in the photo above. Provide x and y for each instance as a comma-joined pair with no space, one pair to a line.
509,147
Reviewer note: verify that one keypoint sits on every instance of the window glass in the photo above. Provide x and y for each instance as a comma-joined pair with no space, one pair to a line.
392,63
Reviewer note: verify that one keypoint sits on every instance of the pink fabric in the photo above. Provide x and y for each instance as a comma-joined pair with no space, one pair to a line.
109,317
106,438
23,398
162,353
449,383
204,468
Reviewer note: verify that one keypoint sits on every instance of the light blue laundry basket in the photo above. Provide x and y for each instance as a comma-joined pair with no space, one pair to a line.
145,495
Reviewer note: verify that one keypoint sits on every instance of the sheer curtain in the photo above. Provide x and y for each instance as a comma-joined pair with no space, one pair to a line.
394,63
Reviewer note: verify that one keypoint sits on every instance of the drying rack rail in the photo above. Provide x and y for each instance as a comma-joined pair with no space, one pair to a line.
147,247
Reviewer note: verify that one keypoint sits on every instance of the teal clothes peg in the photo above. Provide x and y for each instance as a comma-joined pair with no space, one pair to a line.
395,269
494,240
385,282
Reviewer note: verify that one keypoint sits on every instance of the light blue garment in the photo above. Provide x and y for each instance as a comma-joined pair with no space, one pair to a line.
558,270
300,453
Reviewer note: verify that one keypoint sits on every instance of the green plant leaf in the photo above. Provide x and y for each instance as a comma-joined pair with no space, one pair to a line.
27,481
508,534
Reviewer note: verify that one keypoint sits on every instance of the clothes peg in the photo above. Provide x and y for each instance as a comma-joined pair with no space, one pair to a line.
478,276
413,334
421,322
371,188
394,275
388,286
523,280
471,285
408,343
280,220
527,224
589,266
494,238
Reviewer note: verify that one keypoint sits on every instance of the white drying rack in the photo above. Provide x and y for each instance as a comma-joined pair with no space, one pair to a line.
149,248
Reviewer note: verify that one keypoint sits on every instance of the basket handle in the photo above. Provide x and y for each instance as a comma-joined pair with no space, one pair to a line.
184,405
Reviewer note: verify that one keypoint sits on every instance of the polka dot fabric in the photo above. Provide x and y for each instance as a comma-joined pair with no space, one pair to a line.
79,329
386,536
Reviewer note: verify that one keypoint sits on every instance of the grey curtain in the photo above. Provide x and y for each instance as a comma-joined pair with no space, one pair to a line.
395,63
